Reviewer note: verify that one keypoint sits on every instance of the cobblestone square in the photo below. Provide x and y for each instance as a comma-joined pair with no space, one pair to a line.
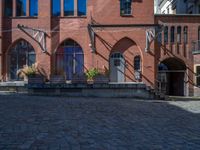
62,123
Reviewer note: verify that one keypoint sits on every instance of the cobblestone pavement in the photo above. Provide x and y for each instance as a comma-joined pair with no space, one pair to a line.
55,123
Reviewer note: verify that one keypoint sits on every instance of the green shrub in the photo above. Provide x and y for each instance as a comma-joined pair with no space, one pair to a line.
91,73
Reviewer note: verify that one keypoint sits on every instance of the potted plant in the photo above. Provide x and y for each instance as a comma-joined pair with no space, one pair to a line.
91,74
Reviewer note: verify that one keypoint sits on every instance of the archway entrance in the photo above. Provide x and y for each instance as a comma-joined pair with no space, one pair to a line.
69,59
117,67
20,55
172,75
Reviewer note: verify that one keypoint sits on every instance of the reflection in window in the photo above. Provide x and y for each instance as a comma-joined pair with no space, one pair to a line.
179,34
82,6
55,7
21,8
125,7
8,6
166,35
33,7
68,7
172,34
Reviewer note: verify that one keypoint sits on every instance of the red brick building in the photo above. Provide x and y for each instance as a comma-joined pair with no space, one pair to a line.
70,37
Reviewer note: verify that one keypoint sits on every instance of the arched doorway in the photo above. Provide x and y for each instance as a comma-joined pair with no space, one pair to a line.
69,59
20,55
172,75
117,67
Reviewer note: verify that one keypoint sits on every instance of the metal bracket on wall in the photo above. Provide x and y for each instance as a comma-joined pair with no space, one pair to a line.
37,35
92,38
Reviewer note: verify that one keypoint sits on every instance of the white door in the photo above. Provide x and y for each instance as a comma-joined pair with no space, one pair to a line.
117,68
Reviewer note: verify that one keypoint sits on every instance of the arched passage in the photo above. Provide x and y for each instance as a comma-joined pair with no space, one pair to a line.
172,73
122,64
20,54
69,59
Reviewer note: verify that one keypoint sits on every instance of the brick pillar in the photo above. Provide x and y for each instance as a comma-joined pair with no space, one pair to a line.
75,7
27,8
62,7
14,8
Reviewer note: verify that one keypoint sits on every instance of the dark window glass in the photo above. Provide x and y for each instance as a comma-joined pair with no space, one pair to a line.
172,34
185,34
137,65
125,7
55,7
21,8
69,7
33,7
198,75
82,7
166,35
8,8
199,34
178,34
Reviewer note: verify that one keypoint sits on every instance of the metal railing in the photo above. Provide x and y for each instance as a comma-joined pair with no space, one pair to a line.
196,47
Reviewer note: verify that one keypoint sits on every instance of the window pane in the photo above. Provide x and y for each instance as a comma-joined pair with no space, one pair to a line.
179,34
125,7
82,7
33,7
8,8
185,34
21,8
55,7
69,7
137,63
198,75
172,34
166,35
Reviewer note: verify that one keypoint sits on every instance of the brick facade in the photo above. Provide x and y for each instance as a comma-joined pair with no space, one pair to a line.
115,33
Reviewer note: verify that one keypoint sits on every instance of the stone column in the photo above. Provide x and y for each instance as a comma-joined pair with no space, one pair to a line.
62,7
75,7
14,8
27,8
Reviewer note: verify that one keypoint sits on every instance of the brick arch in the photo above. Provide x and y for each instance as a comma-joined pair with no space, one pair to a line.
18,40
129,49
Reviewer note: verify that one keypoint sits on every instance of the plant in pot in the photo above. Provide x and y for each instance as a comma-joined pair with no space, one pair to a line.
91,74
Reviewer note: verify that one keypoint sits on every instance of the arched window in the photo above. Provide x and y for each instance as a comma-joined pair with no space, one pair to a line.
179,34
125,7
20,55
172,34
69,59
68,7
137,63
8,8
82,7
166,35
185,34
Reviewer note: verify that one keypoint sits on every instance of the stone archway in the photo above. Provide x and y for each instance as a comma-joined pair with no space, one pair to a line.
69,59
121,61
20,54
172,73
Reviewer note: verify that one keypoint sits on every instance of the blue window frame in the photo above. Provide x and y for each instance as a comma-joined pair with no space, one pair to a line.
33,7
68,7
82,7
8,7
125,7
21,8
56,7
